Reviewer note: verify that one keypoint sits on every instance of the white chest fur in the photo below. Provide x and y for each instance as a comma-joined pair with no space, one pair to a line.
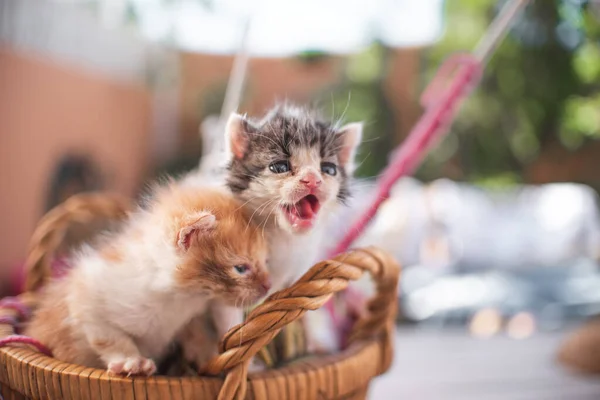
138,299
291,256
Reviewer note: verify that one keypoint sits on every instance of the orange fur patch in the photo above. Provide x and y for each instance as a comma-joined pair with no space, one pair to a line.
235,240
50,325
111,254
102,343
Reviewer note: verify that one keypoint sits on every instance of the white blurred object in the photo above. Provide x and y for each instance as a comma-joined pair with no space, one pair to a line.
464,293
476,229
323,336
71,34
214,158
284,28
531,249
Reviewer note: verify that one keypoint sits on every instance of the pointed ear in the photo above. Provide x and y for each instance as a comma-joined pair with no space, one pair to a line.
351,136
236,135
197,224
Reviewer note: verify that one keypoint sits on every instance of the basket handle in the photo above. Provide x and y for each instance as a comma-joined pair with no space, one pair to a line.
311,292
52,228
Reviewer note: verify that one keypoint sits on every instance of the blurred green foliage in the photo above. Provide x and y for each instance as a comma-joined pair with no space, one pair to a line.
359,96
540,88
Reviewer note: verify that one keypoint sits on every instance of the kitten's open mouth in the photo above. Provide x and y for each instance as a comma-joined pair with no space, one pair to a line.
303,213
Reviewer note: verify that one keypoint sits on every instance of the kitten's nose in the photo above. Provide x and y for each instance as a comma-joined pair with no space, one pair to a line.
311,181
266,285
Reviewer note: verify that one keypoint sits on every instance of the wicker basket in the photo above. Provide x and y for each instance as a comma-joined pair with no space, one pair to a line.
26,373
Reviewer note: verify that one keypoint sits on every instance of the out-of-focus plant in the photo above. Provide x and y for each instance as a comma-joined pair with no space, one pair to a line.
359,96
540,88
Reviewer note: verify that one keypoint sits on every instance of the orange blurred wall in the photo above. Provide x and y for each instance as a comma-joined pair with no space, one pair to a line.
48,110
268,80
274,79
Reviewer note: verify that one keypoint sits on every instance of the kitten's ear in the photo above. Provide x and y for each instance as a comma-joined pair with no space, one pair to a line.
351,135
236,135
200,223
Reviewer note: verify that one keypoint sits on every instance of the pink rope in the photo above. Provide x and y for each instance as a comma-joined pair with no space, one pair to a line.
8,320
15,304
24,312
434,122
12,339
459,75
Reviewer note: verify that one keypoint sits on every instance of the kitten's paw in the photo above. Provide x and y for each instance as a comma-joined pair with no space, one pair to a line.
132,366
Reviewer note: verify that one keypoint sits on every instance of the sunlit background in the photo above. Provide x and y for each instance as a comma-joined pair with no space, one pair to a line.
498,231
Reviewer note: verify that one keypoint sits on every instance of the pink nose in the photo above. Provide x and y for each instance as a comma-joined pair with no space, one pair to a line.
266,285
311,181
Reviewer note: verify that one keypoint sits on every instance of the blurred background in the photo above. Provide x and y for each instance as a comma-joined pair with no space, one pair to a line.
498,231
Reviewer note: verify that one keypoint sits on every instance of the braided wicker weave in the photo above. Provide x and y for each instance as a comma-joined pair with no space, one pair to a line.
26,373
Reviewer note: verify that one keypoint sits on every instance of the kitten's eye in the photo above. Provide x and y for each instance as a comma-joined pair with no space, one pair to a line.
329,168
279,167
242,269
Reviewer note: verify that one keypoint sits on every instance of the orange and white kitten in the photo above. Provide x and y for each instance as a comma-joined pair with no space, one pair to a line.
127,298
293,170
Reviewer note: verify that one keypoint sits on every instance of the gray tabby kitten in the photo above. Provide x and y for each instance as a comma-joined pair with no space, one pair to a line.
292,170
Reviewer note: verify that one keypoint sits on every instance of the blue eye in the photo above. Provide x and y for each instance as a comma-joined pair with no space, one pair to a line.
279,167
241,269
329,168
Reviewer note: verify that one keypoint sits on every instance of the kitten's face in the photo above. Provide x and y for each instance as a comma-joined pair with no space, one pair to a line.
224,255
291,168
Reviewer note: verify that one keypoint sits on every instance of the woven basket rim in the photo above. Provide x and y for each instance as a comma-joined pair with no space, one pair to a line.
38,360
339,375
370,354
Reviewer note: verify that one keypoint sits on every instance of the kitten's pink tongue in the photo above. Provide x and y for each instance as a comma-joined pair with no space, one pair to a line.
302,214
305,209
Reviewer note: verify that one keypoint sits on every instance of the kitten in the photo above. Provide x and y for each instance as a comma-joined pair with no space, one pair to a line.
292,170
126,299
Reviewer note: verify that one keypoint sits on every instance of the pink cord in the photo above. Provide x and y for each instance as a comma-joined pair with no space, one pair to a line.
15,304
8,320
440,107
437,117
24,312
25,340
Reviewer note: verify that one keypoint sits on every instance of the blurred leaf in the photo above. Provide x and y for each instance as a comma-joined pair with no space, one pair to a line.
498,181
523,142
510,82
591,20
582,116
535,89
360,97
586,62
365,66
312,56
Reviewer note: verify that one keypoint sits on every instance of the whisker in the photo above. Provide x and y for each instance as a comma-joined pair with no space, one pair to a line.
240,207
265,205
363,161
332,107
266,137
255,211
267,219
338,123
